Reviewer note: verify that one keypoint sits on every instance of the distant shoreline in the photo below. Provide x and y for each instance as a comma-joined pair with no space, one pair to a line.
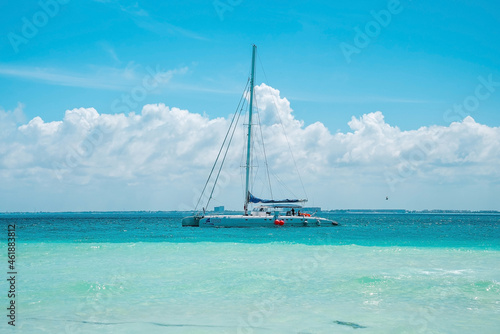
335,211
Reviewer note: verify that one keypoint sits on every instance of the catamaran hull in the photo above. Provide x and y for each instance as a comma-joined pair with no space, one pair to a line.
256,221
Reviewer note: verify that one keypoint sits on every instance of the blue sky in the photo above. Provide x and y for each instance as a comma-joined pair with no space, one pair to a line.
427,59
420,63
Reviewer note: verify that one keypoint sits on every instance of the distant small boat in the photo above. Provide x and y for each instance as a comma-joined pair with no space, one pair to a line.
269,212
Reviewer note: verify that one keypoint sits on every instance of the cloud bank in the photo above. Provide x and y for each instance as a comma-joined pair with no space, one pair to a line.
159,160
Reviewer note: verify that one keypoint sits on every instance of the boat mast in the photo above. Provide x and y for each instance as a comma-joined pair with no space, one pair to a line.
249,142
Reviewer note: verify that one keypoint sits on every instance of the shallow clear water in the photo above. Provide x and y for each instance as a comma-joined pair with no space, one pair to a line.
143,272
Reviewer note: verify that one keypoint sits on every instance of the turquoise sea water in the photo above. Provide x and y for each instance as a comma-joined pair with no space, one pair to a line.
143,272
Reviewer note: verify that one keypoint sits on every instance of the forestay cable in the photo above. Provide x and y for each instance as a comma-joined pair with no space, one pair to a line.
237,113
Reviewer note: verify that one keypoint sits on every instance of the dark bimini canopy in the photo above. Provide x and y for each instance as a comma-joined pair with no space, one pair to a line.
253,199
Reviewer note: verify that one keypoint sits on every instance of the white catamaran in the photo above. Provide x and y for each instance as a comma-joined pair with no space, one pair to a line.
269,213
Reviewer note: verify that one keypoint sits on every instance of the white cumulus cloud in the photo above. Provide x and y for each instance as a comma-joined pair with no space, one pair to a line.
159,159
